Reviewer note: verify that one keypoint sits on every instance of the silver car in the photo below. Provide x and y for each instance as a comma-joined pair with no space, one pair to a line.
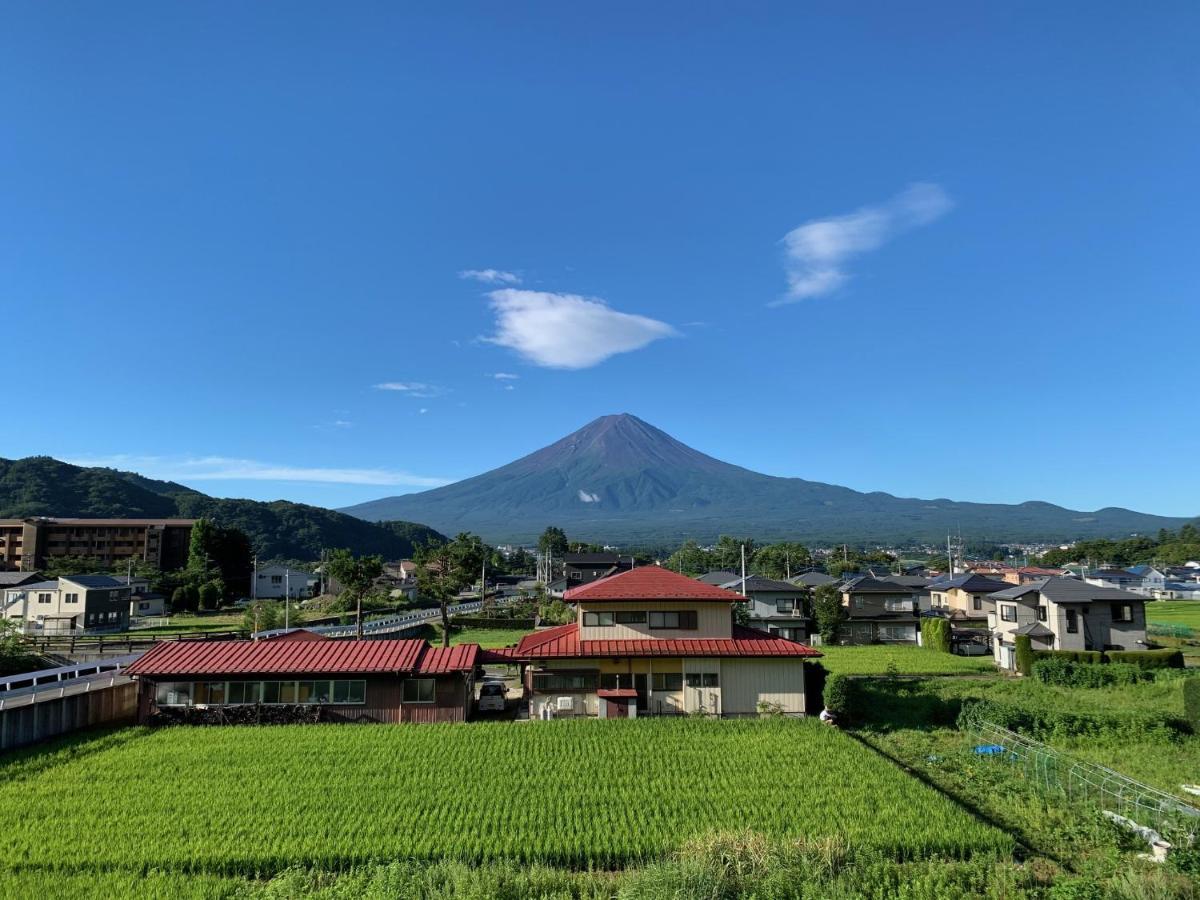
492,697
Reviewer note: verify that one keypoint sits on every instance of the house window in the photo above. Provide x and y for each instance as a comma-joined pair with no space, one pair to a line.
630,617
894,604
976,603
549,682
702,679
1008,612
70,598
1072,621
419,690
667,681
784,607
896,633
858,602
1041,614
1122,612
276,579
44,598
576,576
597,618
684,620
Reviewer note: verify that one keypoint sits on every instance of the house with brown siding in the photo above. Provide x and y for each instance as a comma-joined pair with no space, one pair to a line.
649,641
352,681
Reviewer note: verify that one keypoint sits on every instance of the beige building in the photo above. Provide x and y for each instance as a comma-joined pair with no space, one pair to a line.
27,544
649,641
1065,614
965,596
81,603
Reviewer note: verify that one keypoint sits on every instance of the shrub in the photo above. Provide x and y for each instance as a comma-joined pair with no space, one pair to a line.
1191,703
1148,659
1065,673
1082,656
1043,723
935,633
1024,654
839,695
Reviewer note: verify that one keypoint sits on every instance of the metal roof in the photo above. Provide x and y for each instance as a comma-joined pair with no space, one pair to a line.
1067,590
291,657
718,578
93,581
970,582
444,660
814,579
764,585
649,583
1034,629
563,641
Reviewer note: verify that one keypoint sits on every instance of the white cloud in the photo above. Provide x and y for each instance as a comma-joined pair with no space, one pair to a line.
505,376
423,410
490,276
816,252
566,331
588,498
413,388
224,468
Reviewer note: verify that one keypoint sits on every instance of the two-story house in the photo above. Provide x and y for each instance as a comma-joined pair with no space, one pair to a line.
1115,578
584,568
776,607
881,610
275,582
69,605
1066,614
650,641
964,597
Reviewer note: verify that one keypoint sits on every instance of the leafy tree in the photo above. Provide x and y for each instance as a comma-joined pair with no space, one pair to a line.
210,594
727,554
261,615
222,551
828,611
355,574
553,540
57,566
1024,653
780,560
690,559
14,656
185,598
445,569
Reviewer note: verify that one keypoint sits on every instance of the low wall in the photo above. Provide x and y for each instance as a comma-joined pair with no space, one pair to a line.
35,722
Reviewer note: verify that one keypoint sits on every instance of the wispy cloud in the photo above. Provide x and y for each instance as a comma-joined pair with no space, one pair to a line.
504,376
566,331
224,468
413,388
815,253
490,276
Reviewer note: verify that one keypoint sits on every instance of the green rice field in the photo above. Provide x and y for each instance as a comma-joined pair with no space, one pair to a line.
908,659
1175,612
253,801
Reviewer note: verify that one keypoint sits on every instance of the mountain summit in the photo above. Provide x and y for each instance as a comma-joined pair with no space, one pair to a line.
620,479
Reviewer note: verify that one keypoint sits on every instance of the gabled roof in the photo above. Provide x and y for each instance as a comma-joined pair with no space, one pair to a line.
1034,629
865,584
282,657
563,641
649,583
718,578
971,583
444,660
759,584
94,581
814,579
17,579
1066,590
51,585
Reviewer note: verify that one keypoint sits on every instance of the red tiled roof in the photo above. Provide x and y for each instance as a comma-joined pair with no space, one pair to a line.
278,657
650,583
563,641
444,660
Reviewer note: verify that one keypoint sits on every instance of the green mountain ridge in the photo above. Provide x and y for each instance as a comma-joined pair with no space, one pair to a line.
280,529
619,479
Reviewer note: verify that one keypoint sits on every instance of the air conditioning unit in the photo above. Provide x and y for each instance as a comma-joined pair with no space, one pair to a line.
565,704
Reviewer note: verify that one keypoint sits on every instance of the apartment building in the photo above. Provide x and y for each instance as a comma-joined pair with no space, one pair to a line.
27,544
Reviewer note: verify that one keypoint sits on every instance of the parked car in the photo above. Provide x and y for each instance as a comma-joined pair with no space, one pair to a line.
493,697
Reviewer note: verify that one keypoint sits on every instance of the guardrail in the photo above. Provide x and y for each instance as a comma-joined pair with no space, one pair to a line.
387,625
100,642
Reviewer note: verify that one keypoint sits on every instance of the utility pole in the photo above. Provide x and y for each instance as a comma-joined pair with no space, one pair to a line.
743,570
287,595
254,580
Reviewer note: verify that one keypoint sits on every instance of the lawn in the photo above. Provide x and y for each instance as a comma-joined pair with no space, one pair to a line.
874,659
239,801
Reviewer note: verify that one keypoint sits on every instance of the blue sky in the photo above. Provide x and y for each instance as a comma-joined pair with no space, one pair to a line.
942,250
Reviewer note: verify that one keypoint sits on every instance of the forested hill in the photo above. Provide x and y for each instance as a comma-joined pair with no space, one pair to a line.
43,486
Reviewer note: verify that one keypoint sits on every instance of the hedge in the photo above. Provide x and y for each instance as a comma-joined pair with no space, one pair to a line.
839,695
1024,654
1146,659
935,633
1191,703
1065,673
1042,723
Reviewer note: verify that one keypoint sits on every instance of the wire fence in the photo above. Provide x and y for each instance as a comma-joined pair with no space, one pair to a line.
1053,771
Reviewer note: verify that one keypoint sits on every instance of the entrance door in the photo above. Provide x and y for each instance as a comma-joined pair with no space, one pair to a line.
643,697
